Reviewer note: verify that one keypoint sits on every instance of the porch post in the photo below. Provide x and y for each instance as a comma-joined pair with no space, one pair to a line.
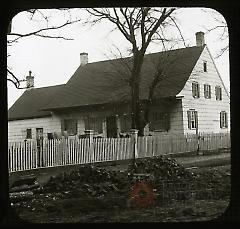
89,134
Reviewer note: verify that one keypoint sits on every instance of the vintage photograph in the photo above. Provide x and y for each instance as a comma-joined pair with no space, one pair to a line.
118,115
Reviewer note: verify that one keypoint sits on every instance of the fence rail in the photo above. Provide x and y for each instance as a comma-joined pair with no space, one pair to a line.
29,155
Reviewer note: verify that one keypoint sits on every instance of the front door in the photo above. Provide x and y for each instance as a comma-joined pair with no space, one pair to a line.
39,138
111,127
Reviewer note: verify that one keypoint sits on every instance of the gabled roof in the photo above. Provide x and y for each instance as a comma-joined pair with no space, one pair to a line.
105,81
31,102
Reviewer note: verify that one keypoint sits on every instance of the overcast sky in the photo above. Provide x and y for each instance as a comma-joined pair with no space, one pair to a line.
53,61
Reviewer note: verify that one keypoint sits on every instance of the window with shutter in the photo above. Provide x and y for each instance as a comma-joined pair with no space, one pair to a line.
218,93
207,91
192,119
223,119
195,90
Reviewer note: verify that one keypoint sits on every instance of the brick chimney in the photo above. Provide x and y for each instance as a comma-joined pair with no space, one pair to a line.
200,40
30,81
83,58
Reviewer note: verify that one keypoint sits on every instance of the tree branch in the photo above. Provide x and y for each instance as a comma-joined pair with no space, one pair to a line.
178,30
36,33
159,21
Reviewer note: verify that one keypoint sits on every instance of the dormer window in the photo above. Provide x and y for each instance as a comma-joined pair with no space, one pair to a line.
205,66
195,90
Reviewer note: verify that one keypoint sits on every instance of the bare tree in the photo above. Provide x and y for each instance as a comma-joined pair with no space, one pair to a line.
140,27
161,68
221,30
43,32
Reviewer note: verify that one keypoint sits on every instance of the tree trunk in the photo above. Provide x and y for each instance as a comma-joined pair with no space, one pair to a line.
135,92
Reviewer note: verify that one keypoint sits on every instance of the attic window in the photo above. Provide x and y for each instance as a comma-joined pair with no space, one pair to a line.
205,66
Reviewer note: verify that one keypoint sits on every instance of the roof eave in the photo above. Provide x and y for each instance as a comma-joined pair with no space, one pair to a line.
29,117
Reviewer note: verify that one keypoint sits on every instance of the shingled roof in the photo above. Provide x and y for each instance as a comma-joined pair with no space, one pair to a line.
31,102
106,82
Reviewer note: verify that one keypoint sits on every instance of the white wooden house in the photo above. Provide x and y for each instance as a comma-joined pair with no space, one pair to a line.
190,97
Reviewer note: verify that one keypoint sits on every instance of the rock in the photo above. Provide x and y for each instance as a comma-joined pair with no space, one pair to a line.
20,196
24,187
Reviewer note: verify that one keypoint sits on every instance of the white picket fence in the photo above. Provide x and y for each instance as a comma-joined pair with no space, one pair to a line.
27,155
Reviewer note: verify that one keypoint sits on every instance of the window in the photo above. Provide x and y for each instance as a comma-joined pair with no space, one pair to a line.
192,119
159,121
223,119
218,93
29,134
205,66
94,123
50,136
125,122
207,91
195,90
70,125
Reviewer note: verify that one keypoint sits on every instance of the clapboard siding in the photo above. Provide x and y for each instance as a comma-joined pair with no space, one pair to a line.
208,109
17,128
176,119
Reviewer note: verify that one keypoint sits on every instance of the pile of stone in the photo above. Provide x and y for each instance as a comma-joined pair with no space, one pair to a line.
88,180
94,181
162,168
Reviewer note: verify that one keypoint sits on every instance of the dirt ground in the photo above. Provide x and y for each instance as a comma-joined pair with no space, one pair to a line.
202,204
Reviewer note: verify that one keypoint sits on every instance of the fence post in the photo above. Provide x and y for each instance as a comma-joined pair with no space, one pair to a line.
134,139
89,134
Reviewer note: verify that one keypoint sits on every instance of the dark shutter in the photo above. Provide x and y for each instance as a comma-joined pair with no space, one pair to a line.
196,118
193,90
189,119
221,119
226,117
